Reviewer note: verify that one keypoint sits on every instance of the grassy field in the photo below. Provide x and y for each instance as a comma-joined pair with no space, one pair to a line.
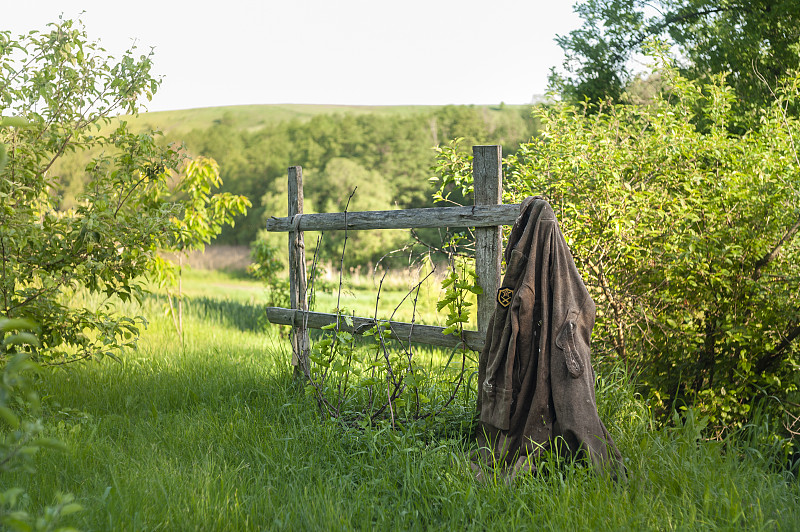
250,117
211,289
215,436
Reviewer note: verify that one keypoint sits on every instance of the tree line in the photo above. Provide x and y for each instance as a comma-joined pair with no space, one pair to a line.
387,157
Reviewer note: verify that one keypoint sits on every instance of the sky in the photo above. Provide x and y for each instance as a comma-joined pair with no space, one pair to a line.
347,52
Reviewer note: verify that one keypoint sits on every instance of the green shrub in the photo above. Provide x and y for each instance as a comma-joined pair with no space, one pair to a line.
686,238
685,235
62,88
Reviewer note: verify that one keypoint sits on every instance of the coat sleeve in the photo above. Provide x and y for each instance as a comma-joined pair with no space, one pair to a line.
570,365
500,352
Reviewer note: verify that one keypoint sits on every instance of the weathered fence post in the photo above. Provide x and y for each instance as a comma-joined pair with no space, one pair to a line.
297,273
487,173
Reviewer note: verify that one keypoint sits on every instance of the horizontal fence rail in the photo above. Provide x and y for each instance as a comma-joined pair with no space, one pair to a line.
415,333
472,216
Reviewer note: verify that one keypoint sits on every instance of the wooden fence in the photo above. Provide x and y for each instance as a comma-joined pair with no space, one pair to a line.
486,216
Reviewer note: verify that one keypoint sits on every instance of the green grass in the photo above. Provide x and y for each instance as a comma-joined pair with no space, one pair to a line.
216,288
216,437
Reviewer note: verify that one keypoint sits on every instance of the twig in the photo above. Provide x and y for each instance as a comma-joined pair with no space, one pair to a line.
5,277
790,428
341,261
370,398
437,249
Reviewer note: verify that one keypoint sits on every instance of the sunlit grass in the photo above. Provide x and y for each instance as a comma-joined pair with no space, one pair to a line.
397,298
214,435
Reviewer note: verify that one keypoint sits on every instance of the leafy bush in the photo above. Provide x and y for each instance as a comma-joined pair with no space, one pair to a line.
685,235
203,216
21,428
686,238
65,89
58,92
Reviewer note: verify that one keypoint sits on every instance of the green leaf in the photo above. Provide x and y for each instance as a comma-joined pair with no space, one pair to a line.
17,521
20,339
451,329
13,121
70,509
50,443
9,417
18,324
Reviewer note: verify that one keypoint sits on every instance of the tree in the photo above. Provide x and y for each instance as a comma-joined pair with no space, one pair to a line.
712,36
66,89
370,192
203,217
20,436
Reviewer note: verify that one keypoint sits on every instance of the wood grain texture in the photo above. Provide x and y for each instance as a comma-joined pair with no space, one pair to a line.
478,216
298,298
487,173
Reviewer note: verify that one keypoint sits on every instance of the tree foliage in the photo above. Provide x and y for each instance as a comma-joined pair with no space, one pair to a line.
345,184
204,214
22,432
64,87
397,148
686,237
713,37
58,92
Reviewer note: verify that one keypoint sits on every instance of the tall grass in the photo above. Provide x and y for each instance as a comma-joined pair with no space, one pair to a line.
217,436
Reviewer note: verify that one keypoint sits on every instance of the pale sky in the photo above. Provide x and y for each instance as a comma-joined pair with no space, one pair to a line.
351,52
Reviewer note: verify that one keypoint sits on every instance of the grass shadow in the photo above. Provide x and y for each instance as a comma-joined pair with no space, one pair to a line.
241,315
245,316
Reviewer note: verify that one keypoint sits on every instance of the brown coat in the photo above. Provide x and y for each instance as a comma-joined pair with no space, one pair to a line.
536,384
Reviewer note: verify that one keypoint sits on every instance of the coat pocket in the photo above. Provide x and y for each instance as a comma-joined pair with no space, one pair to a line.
496,406
567,343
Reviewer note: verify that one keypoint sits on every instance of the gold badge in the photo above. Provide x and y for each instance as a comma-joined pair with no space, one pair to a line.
504,296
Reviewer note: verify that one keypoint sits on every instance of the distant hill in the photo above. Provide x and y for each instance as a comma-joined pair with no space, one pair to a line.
253,117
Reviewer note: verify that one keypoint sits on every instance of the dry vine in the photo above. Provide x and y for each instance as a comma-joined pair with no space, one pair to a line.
388,384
